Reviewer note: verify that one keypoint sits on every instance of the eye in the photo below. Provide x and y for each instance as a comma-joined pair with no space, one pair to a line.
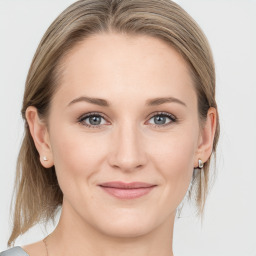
161,117
92,120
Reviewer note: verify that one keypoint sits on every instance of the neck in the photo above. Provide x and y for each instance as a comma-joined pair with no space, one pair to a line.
77,237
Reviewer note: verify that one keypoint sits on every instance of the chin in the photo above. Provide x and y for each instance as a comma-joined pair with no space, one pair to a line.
129,225
127,231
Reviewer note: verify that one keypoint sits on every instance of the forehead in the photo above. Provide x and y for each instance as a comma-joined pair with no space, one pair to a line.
106,65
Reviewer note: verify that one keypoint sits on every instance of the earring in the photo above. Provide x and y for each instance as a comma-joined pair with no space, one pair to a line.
202,191
200,164
45,158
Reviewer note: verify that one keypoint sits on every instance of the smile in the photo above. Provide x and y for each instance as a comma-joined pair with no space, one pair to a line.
123,190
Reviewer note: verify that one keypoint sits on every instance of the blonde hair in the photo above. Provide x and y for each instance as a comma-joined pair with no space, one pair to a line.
37,193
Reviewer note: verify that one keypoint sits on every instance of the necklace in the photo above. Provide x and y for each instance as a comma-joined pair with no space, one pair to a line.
46,248
45,244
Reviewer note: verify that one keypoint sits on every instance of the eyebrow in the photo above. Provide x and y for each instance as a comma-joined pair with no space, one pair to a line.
149,102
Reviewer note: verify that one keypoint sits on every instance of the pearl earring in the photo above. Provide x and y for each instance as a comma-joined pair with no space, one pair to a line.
200,164
45,158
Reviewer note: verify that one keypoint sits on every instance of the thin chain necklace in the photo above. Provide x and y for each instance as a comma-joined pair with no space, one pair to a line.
44,240
45,244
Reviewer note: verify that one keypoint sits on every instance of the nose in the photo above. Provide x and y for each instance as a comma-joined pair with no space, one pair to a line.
127,151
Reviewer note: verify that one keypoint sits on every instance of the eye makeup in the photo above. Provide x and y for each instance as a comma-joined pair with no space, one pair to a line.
93,117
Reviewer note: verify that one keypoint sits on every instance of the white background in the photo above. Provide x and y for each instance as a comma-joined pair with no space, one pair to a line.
229,227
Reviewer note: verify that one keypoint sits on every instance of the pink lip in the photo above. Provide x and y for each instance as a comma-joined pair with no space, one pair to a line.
124,190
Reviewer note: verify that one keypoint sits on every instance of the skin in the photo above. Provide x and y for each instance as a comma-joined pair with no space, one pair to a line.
126,71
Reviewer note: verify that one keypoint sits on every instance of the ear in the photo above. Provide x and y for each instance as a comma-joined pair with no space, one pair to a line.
206,137
40,135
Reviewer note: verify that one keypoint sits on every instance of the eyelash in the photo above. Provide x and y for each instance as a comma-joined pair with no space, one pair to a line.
93,114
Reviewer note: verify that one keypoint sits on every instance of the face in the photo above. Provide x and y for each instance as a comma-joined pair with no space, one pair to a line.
144,129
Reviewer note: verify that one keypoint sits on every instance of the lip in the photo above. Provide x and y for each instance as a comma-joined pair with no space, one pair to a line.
124,190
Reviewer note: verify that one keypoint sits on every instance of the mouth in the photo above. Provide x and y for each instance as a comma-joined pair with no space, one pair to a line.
124,190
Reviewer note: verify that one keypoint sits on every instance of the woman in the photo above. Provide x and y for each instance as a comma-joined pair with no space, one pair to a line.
120,119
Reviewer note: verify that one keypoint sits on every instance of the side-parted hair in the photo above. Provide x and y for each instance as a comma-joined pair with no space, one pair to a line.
37,195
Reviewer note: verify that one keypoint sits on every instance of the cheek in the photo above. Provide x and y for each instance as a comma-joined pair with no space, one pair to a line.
74,157
174,158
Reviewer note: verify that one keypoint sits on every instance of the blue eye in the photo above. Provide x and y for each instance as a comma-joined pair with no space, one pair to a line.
93,120
160,119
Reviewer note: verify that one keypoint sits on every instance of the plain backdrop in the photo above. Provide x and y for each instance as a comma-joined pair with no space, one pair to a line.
229,227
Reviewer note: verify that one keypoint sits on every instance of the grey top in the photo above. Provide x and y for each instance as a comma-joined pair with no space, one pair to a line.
15,251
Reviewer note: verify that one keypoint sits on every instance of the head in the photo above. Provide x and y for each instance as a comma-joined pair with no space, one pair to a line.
124,53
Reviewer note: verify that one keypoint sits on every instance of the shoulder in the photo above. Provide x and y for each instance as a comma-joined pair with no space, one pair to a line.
15,251
35,249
